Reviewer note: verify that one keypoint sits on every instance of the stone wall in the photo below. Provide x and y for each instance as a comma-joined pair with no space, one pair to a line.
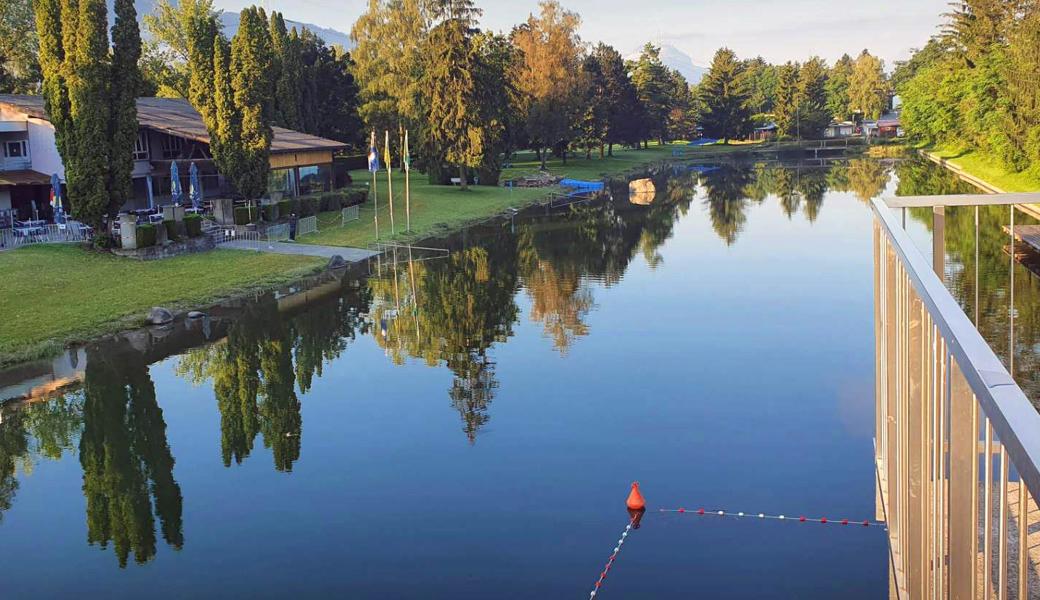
157,252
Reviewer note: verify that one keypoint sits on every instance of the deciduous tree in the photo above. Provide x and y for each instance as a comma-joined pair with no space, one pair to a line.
868,88
551,77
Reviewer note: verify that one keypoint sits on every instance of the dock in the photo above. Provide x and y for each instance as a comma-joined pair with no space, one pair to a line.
1027,234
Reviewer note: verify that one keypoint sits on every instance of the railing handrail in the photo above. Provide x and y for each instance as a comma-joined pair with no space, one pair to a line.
1014,418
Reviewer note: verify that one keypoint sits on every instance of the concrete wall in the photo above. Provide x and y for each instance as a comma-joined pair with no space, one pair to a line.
43,149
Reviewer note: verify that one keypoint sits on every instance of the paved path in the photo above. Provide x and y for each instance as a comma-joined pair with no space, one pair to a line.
348,254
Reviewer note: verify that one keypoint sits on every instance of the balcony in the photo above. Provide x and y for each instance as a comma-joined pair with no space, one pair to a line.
15,164
957,440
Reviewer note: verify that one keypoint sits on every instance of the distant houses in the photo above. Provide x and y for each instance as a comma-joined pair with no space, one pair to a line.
170,130
840,129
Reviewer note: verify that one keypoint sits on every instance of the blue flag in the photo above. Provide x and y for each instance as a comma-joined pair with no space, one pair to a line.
373,155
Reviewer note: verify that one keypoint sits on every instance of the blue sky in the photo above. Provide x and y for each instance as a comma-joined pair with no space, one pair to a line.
779,30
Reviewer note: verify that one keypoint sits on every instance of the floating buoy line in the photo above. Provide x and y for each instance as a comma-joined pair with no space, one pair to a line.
700,512
636,505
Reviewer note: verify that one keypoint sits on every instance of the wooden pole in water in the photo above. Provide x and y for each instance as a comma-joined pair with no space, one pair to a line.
389,183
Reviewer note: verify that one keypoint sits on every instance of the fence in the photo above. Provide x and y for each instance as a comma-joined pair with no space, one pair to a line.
957,441
348,214
44,234
278,233
224,235
307,225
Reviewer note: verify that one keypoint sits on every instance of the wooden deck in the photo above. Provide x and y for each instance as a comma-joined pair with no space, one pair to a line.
1027,234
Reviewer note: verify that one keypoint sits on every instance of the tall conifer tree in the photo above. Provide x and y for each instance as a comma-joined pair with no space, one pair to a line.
723,93
126,82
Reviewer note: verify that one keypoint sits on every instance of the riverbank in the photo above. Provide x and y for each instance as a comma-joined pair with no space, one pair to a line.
982,170
439,210
62,294
55,295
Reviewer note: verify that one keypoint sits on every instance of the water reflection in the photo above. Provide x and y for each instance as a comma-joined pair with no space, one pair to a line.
127,464
979,273
257,369
443,311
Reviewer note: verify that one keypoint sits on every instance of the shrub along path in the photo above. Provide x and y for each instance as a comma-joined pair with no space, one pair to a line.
54,294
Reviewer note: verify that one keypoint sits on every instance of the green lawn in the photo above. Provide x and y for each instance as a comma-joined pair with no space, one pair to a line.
989,170
55,294
440,209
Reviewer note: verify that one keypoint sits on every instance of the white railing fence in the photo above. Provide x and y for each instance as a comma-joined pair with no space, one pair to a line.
45,234
348,214
957,441
306,226
278,233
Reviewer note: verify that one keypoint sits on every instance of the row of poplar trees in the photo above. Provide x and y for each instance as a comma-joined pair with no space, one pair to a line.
241,87
974,86
90,94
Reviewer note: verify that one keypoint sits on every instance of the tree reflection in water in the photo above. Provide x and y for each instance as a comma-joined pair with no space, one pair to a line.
38,431
258,368
979,266
127,464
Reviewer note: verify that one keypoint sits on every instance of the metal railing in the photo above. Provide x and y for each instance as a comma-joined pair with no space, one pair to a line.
348,214
44,234
957,441
278,233
306,225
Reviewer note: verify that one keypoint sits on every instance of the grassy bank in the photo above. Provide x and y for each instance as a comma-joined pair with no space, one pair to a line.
440,209
55,294
988,169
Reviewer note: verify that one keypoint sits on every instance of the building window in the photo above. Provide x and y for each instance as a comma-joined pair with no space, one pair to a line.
141,146
16,149
171,147
315,179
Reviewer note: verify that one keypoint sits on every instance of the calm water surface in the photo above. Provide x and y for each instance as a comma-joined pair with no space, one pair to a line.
467,427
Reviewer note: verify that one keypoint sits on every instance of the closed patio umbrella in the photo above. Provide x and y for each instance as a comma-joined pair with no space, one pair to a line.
196,187
175,183
59,210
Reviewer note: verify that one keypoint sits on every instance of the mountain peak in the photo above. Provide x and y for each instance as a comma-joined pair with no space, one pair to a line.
674,58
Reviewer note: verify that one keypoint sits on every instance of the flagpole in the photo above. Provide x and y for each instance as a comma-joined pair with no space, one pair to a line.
375,187
389,183
407,183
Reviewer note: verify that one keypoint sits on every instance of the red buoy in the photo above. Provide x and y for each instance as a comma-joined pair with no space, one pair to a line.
635,498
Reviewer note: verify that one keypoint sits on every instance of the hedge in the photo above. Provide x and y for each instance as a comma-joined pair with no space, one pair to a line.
309,206
242,215
146,235
270,212
193,224
171,230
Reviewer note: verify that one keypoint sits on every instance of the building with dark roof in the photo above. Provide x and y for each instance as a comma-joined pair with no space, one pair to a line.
170,130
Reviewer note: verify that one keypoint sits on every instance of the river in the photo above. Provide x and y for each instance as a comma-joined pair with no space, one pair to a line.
468,425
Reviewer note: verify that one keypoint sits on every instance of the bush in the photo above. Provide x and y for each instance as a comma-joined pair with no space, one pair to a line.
309,206
285,208
331,201
355,196
171,230
146,235
242,215
193,224
105,241
270,212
